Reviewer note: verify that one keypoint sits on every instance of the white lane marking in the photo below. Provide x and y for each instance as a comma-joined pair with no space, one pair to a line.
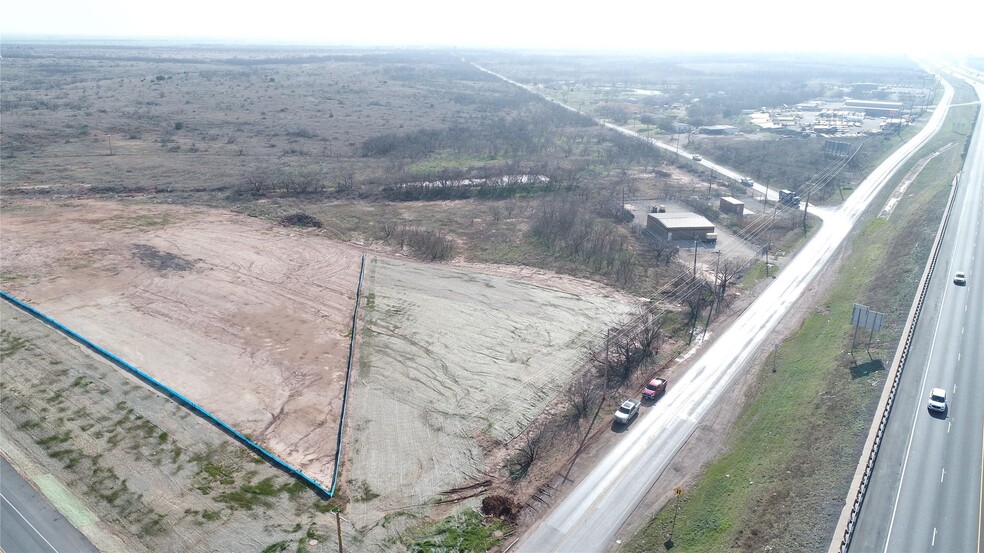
942,476
980,503
948,425
912,429
7,501
934,537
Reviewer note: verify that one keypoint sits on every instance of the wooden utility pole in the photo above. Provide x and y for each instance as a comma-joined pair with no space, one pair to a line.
695,258
338,523
767,246
806,206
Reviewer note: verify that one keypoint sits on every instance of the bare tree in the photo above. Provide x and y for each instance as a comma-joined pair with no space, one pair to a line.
650,333
731,269
531,444
582,395
699,298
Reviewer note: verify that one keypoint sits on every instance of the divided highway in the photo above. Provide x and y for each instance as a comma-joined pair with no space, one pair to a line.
926,490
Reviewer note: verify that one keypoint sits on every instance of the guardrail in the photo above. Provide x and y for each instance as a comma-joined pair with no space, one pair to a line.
197,409
862,477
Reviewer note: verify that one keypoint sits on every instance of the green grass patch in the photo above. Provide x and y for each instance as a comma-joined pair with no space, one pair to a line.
464,531
10,344
144,221
278,547
437,163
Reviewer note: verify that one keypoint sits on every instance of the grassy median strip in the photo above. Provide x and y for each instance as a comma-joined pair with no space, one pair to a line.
782,483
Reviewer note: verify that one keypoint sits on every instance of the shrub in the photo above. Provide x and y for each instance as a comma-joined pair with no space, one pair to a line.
300,220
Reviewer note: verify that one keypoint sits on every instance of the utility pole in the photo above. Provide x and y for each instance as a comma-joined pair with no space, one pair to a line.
717,268
338,523
110,144
772,224
767,246
806,206
695,258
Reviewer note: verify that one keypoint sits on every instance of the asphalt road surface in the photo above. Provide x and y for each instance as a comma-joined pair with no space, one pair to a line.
592,513
926,489
29,523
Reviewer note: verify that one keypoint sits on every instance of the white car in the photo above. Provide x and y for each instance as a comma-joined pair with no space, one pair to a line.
937,400
627,411
960,278
696,157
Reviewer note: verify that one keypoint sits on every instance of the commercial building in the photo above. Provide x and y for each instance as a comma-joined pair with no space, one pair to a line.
874,108
680,226
719,129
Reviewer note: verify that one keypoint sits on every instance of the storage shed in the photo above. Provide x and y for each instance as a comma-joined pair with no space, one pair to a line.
731,206
680,226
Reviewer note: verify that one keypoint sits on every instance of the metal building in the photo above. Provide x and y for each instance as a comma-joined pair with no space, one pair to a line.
680,226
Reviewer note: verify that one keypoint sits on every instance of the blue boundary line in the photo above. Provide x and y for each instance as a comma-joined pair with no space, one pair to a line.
190,404
348,373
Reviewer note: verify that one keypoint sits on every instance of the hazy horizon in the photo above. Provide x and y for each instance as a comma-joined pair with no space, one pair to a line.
758,26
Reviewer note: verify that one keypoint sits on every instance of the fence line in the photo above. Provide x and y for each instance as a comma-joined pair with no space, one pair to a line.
348,374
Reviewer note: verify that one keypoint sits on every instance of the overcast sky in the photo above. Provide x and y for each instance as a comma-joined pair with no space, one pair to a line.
716,25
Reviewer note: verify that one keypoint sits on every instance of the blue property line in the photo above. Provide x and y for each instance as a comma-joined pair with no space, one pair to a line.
348,372
178,397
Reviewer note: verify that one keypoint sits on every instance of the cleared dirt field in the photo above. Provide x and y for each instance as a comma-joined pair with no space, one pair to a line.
451,358
248,319
251,321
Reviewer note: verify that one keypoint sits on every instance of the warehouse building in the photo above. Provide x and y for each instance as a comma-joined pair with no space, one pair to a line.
874,108
680,226
719,129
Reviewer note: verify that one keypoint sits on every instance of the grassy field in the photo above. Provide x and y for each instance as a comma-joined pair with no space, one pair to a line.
783,480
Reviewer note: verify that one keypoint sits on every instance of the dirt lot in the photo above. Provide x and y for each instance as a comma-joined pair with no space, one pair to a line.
451,358
246,318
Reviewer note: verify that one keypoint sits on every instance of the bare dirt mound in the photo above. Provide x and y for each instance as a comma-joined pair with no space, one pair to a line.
246,318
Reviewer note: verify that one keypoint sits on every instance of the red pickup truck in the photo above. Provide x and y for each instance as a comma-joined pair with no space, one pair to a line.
655,388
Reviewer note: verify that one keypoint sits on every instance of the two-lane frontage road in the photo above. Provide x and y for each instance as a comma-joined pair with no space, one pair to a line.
926,490
29,523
